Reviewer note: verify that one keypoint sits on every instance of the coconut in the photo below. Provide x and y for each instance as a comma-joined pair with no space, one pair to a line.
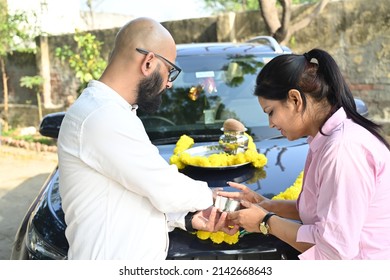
233,125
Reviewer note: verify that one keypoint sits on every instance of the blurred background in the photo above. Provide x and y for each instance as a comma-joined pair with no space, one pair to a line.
50,49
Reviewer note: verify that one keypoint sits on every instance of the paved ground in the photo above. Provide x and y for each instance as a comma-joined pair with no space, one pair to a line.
22,173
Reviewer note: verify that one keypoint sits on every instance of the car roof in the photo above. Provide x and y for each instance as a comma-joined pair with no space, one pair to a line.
191,49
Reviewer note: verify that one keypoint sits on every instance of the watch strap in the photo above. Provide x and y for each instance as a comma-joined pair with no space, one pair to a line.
188,222
266,217
264,228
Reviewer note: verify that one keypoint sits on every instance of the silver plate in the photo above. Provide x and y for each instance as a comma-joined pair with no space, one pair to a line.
206,151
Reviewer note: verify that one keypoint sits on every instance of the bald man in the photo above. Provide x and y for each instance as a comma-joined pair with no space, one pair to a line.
119,196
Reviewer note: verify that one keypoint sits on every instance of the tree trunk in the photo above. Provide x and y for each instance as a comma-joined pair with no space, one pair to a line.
318,8
269,13
284,29
282,32
45,71
40,116
5,91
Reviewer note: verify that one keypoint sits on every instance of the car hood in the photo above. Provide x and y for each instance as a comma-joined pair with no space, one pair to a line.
285,162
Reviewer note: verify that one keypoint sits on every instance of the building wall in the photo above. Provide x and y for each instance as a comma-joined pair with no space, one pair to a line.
355,32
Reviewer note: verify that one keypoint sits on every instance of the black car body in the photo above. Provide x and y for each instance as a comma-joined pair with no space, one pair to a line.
216,83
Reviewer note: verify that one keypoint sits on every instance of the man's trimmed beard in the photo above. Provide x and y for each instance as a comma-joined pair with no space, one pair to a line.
149,95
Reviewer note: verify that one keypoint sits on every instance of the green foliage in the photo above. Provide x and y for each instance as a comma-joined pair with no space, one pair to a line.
15,134
16,31
86,60
31,82
293,42
35,83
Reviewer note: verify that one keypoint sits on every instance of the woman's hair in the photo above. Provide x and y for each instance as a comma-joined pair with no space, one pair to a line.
313,74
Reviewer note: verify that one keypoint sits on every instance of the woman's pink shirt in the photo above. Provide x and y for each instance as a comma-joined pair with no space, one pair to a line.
345,200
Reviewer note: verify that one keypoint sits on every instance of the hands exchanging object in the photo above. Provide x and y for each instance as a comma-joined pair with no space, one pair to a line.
228,219
213,220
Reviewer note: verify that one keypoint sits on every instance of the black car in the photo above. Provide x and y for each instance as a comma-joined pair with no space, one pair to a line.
216,83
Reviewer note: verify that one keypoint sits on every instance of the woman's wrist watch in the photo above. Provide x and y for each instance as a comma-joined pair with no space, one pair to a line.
264,227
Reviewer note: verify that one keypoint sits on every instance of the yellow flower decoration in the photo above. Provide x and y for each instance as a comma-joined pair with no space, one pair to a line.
231,239
185,142
293,191
218,237
181,159
201,234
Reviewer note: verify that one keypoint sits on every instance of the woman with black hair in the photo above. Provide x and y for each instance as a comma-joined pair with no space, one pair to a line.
344,206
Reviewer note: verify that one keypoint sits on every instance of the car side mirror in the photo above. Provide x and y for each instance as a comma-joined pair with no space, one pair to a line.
361,107
51,123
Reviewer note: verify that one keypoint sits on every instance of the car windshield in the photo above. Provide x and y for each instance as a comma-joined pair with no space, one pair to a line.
209,90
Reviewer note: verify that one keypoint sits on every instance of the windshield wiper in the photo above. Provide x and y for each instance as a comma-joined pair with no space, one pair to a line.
197,138
205,138
165,141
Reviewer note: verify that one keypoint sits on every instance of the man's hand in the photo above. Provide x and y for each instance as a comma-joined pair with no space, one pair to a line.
212,220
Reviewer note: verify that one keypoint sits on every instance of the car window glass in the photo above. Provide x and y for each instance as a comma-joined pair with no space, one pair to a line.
209,90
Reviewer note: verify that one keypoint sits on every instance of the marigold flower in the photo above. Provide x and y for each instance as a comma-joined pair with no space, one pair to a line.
217,237
201,234
231,239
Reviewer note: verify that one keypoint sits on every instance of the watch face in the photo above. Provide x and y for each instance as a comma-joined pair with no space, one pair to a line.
263,228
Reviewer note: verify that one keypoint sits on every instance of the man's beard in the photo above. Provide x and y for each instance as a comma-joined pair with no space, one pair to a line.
149,95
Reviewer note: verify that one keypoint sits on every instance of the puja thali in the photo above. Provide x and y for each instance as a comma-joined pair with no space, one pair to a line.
208,150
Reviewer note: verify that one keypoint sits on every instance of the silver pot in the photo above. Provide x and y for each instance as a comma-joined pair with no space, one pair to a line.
233,142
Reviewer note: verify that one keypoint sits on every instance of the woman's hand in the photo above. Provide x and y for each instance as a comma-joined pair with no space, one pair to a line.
215,192
248,218
244,194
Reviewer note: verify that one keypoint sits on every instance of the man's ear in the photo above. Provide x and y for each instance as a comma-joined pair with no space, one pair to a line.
146,64
295,98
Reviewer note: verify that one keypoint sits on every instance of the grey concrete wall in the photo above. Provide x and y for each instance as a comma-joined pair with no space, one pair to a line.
357,34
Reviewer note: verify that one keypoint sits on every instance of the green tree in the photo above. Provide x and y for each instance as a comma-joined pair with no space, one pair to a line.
15,33
35,83
86,61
